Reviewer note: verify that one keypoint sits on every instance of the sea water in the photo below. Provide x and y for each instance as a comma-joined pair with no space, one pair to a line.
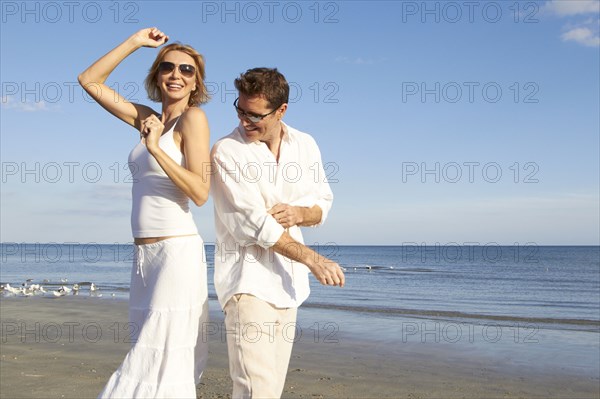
543,284
528,306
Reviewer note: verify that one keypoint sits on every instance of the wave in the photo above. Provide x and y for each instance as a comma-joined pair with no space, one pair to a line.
454,315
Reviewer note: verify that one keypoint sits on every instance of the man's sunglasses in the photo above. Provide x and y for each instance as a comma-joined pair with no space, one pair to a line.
186,70
254,118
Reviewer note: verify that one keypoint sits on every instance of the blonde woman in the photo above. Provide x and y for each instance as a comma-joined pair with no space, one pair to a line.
168,295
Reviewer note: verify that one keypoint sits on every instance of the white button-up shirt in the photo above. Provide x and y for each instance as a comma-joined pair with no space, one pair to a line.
247,181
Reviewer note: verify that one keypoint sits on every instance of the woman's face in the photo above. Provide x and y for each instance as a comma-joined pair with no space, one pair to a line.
176,76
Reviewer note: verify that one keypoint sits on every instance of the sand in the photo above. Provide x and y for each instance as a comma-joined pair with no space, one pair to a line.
68,347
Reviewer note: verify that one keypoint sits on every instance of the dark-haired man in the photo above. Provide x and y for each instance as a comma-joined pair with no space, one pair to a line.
268,180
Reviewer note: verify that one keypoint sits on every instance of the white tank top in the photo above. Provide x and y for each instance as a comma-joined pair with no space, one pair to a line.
159,207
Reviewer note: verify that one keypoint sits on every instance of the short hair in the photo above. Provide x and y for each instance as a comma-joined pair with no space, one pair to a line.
198,96
265,82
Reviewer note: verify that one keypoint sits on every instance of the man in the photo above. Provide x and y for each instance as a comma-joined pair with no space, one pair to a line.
268,180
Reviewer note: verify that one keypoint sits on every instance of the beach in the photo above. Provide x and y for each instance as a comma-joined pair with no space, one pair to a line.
68,347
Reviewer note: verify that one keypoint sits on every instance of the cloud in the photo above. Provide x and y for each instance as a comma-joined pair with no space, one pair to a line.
582,35
97,213
584,32
107,193
9,102
565,8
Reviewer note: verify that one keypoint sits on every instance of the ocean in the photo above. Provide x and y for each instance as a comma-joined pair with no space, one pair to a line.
541,285
528,306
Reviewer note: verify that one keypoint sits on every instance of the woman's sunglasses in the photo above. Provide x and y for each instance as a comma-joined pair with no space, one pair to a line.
186,70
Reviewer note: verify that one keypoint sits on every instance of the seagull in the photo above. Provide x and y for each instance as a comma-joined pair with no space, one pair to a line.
75,289
64,289
64,280
12,290
93,287
31,290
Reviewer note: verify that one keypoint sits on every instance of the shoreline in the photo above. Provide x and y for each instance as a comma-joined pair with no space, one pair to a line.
68,347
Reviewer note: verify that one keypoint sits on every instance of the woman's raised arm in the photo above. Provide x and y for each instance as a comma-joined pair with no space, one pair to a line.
93,78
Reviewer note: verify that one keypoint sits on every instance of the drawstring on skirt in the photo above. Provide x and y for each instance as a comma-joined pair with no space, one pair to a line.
140,262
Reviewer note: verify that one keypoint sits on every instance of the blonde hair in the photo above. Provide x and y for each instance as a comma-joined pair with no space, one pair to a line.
199,95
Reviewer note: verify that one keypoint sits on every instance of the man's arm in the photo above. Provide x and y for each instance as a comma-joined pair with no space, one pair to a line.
288,215
238,201
326,271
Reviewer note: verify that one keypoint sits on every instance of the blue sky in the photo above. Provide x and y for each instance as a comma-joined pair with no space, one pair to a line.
439,122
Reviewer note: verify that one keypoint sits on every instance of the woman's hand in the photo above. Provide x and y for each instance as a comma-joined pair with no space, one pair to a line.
152,129
150,37
193,179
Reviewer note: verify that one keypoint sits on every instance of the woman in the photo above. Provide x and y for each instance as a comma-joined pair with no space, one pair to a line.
168,296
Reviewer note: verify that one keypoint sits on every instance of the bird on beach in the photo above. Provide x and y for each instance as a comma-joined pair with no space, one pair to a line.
93,287
26,283
62,291
12,290
25,290
31,290
75,289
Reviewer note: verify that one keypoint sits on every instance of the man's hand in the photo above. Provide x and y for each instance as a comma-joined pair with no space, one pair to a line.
287,215
327,272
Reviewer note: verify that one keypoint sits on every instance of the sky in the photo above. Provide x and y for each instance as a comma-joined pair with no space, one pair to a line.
439,122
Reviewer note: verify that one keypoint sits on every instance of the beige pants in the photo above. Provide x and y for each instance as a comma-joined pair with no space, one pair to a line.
259,342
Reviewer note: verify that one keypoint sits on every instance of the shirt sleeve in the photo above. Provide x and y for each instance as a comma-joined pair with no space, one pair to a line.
239,204
323,190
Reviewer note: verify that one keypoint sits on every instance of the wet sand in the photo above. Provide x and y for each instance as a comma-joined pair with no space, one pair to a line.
68,347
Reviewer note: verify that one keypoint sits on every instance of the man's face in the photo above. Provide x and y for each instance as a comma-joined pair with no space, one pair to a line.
269,127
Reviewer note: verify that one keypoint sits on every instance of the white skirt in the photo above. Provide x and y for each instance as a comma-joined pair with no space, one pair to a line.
168,308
